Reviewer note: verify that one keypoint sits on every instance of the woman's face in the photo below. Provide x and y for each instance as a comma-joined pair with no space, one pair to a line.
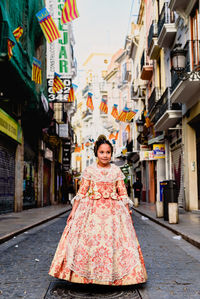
104,154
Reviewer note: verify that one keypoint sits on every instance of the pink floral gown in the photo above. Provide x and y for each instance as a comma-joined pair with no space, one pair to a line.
100,244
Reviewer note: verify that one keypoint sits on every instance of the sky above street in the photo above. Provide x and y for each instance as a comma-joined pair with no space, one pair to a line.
102,26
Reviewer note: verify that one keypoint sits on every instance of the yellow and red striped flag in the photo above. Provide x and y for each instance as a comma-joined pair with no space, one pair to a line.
103,106
10,47
111,136
117,134
18,33
89,101
48,25
114,112
69,12
123,114
77,149
36,71
57,83
128,129
131,114
71,96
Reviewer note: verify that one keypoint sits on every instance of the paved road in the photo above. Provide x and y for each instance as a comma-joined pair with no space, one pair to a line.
173,266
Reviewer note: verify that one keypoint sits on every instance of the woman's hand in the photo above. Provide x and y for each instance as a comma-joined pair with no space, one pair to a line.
70,217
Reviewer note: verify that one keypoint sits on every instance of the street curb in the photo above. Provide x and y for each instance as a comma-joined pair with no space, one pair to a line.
20,231
185,237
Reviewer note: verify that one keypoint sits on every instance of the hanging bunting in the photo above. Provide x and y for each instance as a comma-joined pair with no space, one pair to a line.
103,106
10,47
69,12
131,114
123,114
18,33
57,83
89,101
48,25
36,71
114,112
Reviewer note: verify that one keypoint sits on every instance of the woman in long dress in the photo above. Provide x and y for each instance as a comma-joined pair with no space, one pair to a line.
99,244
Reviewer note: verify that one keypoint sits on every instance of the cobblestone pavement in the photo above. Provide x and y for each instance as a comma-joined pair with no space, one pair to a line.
173,266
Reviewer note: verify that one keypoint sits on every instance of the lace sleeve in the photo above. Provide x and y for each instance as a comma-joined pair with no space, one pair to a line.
84,186
121,189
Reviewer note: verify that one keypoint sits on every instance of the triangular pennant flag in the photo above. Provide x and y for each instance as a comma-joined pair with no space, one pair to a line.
114,112
69,12
103,106
131,114
18,33
123,114
10,47
89,101
36,71
57,83
48,25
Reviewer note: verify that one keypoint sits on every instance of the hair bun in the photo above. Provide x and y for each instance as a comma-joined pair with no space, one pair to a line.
101,137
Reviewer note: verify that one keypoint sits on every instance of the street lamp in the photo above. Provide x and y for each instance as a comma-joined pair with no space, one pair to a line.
178,56
140,125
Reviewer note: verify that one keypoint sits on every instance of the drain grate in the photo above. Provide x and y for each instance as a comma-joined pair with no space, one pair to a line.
67,290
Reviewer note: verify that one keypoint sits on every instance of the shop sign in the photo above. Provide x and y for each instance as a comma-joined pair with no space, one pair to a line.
66,155
63,130
159,151
59,55
48,154
147,155
10,127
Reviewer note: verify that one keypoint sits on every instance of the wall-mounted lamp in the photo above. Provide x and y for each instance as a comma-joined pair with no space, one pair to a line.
178,56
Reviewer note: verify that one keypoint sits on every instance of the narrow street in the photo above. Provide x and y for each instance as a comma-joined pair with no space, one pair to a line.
173,266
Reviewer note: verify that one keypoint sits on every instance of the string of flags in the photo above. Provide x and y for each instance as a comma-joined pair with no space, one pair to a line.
89,102
103,106
36,71
69,12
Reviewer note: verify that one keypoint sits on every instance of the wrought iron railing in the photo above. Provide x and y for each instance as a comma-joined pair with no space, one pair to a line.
166,17
153,99
153,32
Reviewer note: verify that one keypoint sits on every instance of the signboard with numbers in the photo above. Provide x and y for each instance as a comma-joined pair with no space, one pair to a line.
62,95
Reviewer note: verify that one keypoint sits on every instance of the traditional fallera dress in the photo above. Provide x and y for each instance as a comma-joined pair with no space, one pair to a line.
99,245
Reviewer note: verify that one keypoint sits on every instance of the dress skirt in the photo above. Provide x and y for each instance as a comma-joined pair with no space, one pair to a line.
100,246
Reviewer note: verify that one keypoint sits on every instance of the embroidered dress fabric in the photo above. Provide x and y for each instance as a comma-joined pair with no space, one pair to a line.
100,244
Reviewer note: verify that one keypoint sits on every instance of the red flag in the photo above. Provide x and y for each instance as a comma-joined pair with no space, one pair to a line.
57,83
18,33
36,71
10,47
123,114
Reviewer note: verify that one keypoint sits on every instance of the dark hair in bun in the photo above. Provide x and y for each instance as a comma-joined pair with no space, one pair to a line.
102,140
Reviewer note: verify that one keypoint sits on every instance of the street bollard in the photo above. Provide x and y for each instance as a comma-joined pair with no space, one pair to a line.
173,212
135,202
159,209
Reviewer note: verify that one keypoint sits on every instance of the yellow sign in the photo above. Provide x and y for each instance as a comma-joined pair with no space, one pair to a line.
159,151
10,127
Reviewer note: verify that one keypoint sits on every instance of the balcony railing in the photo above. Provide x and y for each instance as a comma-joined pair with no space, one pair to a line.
163,105
153,32
154,98
166,17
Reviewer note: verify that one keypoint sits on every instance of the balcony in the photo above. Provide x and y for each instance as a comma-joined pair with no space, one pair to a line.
138,93
154,98
166,27
186,92
183,7
87,115
146,68
167,114
153,47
